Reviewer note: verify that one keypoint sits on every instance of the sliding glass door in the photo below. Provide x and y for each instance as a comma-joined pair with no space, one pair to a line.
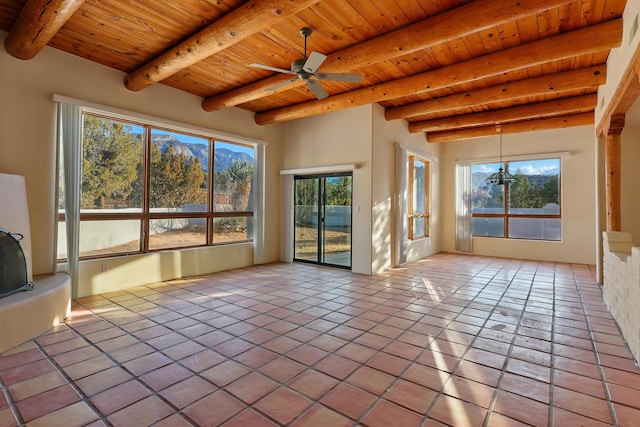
322,213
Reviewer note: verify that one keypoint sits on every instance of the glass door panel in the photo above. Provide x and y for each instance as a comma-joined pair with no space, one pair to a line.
322,214
336,242
307,218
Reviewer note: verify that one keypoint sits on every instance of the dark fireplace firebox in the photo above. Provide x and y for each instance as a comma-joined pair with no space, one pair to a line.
13,265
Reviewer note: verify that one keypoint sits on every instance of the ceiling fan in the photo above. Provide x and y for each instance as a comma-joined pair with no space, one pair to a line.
306,69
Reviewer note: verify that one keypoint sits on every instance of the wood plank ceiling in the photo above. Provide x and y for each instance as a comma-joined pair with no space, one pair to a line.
452,68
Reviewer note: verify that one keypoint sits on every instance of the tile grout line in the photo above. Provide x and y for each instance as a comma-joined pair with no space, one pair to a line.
508,359
603,379
552,356
83,397
135,377
10,403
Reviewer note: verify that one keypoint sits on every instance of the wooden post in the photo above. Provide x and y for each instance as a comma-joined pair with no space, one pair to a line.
612,159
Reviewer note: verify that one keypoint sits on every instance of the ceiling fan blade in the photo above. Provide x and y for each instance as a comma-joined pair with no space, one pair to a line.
267,67
314,62
317,90
279,85
340,77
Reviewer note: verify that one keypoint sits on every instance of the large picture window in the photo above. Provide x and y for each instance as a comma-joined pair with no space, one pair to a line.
418,212
528,208
145,188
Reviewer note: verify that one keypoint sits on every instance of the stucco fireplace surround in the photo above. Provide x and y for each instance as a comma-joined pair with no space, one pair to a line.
25,315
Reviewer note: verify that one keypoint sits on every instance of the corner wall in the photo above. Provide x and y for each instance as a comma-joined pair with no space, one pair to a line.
630,177
386,134
28,134
578,190
620,57
338,138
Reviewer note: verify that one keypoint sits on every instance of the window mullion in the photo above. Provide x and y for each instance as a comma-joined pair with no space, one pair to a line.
147,188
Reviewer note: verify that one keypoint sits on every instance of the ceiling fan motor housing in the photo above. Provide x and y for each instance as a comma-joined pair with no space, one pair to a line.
297,65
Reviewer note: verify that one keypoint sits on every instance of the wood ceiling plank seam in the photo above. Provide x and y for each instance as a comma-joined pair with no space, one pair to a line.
332,36
370,13
358,25
225,5
534,70
412,9
92,18
436,7
99,53
392,14
140,17
590,12
424,33
387,71
429,58
568,16
410,64
509,34
550,67
474,44
602,36
548,23
528,29
459,50
531,111
491,40
570,120
277,48
444,55
613,9
191,14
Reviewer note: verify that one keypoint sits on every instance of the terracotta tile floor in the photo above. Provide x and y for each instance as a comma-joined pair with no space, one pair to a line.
449,340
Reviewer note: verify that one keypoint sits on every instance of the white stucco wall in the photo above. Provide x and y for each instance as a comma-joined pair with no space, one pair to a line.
619,57
578,190
629,179
339,138
28,139
386,135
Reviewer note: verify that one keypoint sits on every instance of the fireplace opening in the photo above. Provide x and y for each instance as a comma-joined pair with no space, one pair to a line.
13,265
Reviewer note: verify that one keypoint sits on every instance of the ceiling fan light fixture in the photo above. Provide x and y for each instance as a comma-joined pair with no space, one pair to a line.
306,69
501,177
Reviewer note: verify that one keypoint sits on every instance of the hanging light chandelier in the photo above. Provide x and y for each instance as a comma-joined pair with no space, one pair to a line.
501,177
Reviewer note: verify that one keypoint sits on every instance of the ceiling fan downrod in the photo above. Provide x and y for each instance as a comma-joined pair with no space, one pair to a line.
305,32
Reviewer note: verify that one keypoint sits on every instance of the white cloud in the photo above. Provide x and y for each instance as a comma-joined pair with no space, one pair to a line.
542,170
483,169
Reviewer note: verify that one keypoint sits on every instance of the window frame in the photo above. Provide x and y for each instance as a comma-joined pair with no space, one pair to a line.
411,213
146,216
506,215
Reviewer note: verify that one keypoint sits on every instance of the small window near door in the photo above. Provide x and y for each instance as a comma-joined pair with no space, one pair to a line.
418,211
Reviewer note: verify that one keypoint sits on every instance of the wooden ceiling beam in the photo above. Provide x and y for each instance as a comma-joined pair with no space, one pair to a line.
584,78
469,18
586,40
235,26
538,110
626,93
37,23
581,119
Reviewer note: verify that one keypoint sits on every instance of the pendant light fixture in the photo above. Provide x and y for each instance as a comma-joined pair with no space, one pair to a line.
500,177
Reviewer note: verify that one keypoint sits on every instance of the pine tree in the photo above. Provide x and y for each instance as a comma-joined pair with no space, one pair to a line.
175,179
112,156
